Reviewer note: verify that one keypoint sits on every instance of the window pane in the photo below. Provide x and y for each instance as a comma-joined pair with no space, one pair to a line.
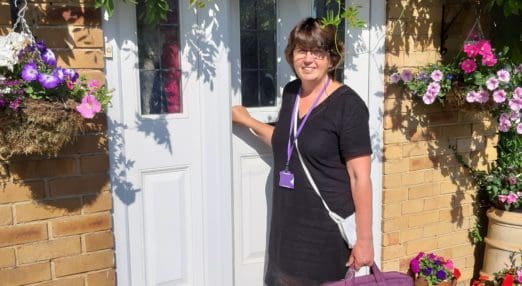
249,88
249,50
258,52
321,6
159,62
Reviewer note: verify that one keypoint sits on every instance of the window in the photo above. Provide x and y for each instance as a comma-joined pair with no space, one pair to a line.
258,52
321,6
159,62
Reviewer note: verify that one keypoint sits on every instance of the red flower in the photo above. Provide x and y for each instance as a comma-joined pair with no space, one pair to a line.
456,273
508,280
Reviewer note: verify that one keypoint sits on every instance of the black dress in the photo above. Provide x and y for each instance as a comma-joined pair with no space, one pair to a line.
305,246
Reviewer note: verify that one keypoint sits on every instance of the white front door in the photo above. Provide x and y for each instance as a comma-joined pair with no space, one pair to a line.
191,195
169,132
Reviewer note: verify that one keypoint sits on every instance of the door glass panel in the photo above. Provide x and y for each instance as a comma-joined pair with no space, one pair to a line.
258,52
321,6
159,62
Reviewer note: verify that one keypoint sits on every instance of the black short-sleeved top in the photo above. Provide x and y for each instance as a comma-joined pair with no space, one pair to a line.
305,246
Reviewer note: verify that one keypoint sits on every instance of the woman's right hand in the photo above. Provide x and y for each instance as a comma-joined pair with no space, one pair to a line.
263,131
240,115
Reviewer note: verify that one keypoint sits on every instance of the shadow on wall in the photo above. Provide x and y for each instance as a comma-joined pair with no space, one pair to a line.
435,133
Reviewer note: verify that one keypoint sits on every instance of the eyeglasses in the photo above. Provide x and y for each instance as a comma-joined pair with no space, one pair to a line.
317,54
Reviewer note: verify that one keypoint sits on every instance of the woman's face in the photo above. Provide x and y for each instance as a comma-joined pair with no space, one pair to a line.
311,65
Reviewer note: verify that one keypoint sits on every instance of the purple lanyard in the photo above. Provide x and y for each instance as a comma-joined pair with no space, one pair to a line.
290,146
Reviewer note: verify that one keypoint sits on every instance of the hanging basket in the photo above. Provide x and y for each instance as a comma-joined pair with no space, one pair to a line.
40,128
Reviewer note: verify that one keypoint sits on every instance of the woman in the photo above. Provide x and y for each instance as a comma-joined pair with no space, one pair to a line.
305,245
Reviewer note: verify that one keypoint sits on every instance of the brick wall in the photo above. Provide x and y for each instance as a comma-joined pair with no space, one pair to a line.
55,213
427,195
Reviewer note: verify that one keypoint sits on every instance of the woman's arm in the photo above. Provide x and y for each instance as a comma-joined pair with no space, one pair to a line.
262,130
359,170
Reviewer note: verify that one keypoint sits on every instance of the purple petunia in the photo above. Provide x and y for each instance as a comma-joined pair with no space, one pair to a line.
48,57
406,75
395,77
59,73
519,131
30,72
3,101
40,45
441,275
426,271
71,74
48,81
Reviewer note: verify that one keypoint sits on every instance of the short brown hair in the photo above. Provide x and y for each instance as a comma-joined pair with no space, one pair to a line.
311,34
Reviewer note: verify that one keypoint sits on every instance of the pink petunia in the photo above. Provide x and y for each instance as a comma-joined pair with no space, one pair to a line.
470,96
93,84
492,83
489,60
519,275
517,92
484,47
504,124
509,198
449,264
468,66
436,75
499,96
503,75
515,104
406,75
471,50
519,128
434,88
429,97
89,106
395,77
482,96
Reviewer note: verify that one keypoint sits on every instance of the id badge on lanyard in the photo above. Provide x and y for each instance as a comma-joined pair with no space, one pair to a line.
286,177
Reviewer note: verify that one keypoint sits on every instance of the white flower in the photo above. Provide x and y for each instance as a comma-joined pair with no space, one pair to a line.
10,46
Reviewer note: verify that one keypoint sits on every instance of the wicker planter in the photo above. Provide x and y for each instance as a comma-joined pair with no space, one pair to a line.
39,128
503,238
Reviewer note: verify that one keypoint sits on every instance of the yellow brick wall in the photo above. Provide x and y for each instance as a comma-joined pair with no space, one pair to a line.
427,195
55,213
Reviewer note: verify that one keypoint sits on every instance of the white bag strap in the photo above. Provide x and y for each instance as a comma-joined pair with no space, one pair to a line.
335,217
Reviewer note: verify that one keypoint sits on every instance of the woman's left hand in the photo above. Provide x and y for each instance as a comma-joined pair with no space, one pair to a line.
362,254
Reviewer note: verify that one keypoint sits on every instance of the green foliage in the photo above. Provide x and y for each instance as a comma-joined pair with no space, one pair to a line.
155,10
350,15
509,7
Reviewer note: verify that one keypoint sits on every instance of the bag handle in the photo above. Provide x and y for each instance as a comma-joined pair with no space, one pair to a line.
375,273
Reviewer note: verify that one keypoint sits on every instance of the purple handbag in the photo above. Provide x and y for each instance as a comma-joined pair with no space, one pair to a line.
376,278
